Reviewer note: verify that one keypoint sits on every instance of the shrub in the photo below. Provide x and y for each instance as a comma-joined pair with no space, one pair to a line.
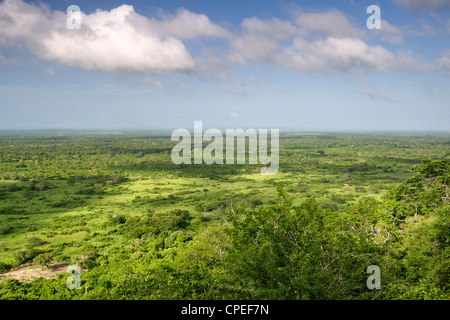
25,255
4,230
14,187
58,204
4,266
44,259
35,242
257,202
118,219
87,259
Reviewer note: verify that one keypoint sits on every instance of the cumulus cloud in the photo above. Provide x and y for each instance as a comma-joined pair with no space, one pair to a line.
273,28
389,32
335,54
116,40
259,39
423,5
333,23
252,47
186,24
123,40
262,38
318,42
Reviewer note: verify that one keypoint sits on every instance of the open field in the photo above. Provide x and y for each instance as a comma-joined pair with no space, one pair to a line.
144,228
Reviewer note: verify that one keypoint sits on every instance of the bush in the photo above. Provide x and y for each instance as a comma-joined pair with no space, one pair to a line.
58,204
26,255
34,242
4,230
90,191
44,259
4,266
8,210
87,259
14,187
257,202
118,219
155,223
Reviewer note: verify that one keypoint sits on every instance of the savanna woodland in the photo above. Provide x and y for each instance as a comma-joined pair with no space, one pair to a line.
140,227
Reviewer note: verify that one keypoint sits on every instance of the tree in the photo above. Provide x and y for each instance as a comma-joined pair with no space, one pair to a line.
44,259
293,253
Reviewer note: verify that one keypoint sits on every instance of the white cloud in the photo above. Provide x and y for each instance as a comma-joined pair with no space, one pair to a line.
260,39
376,96
274,28
3,60
406,61
426,30
423,5
155,83
186,24
51,72
234,115
123,40
108,40
331,23
389,32
372,95
265,41
214,60
335,54
252,47
444,61
320,42
21,21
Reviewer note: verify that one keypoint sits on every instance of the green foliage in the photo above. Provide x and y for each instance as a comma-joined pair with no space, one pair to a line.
44,259
288,252
4,266
26,255
87,259
4,230
155,223
423,235
423,193
34,242
144,228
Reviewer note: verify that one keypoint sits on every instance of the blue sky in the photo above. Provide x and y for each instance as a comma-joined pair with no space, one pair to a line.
304,65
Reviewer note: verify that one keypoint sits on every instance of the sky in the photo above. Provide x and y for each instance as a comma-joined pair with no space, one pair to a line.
288,65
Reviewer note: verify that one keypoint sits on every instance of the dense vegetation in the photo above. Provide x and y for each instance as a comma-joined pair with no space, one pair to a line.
144,228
